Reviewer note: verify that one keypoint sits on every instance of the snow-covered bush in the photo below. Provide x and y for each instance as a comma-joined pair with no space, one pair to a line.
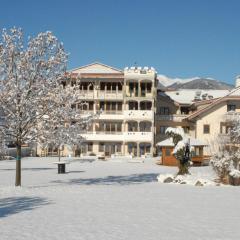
222,163
234,173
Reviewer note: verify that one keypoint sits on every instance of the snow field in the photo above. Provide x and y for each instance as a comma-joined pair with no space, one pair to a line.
112,200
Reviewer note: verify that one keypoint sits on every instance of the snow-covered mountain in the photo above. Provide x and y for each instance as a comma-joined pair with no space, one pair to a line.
192,83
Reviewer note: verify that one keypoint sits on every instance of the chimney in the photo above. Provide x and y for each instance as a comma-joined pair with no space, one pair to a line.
237,83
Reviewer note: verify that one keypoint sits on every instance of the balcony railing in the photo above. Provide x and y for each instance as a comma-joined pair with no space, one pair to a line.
112,112
141,94
231,116
138,114
86,94
109,132
119,136
138,136
116,95
175,117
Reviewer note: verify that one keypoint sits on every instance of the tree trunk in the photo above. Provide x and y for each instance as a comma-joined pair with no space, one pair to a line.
183,169
18,165
59,154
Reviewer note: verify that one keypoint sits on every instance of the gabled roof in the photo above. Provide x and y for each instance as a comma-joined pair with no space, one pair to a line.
187,96
233,95
96,68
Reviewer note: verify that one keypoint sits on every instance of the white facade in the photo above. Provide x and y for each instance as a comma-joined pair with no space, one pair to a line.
127,103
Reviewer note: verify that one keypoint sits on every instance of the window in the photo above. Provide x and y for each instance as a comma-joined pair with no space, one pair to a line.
119,127
145,105
149,86
164,111
90,147
148,148
231,107
186,129
197,151
145,126
102,106
118,147
206,128
132,126
102,86
101,127
101,147
85,106
168,152
108,127
149,106
184,110
113,127
163,130
114,106
131,87
119,86
114,86
91,87
143,89
108,106
133,106
119,106
108,86
228,129
90,105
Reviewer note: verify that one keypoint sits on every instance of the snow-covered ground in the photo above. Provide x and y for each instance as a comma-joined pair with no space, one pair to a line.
112,201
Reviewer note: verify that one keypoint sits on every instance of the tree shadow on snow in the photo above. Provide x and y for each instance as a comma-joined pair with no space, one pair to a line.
28,169
14,205
113,180
75,171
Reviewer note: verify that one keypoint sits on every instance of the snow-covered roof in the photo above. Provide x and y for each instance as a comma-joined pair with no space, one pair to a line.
233,94
96,67
169,142
188,96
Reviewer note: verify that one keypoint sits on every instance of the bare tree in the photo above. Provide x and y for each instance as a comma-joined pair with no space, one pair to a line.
30,76
226,160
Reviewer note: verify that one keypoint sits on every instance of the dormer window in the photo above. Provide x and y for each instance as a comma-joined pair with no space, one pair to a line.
231,107
184,110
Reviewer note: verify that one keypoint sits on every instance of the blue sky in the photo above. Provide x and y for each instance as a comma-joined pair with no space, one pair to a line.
180,38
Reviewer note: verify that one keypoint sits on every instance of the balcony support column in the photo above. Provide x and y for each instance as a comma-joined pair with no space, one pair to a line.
139,89
138,150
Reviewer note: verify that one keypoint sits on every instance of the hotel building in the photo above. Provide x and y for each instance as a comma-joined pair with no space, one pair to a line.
126,100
